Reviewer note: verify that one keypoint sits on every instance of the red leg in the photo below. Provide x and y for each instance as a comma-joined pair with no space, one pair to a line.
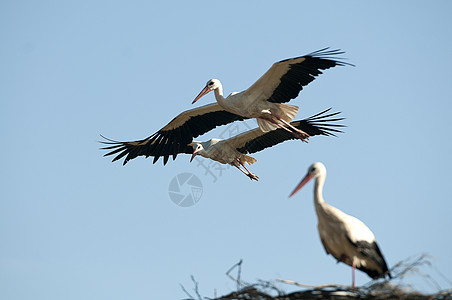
249,174
301,132
297,133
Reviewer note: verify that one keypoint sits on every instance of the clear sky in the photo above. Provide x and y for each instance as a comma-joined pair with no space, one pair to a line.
73,225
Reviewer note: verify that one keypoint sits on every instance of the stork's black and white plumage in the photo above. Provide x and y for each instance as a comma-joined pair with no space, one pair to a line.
234,150
345,237
281,83
291,76
176,135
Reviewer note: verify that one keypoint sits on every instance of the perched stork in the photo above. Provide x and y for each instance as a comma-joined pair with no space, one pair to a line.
233,151
345,237
281,83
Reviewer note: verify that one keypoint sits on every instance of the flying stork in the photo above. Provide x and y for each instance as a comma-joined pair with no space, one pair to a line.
177,134
345,237
232,151
281,83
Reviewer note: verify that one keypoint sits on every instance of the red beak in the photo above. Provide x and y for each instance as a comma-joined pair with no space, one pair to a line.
194,155
301,184
202,93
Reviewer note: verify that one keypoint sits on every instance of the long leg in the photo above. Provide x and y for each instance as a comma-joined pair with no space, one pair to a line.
304,134
296,133
250,174
353,274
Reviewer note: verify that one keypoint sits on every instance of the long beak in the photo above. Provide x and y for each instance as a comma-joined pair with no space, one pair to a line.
301,184
193,155
202,93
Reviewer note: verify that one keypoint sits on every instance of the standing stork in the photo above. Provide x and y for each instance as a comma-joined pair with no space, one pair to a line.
281,83
233,151
345,237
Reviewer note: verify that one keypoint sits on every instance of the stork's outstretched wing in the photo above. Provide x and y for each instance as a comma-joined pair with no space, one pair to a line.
256,140
175,136
285,79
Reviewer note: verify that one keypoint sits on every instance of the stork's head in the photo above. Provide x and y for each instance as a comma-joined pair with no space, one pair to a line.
316,170
211,85
198,148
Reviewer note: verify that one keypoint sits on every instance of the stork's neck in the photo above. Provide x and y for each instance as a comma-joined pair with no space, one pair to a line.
318,190
219,94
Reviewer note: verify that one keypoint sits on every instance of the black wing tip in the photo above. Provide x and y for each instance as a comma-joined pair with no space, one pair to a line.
323,122
323,53
318,124
326,53
322,116
373,252
115,146
108,140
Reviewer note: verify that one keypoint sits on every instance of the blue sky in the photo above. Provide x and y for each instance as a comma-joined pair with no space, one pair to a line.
73,225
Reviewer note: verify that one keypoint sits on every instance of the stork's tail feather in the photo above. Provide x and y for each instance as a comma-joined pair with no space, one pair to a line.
287,112
248,159
265,125
284,111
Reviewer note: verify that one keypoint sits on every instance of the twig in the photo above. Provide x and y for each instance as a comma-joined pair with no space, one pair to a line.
196,287
239,272
185,291
442,275
307,285
409,265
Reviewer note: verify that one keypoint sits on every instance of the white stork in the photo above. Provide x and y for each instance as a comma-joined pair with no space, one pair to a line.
281,83
172,138
232,151
345,237
177,134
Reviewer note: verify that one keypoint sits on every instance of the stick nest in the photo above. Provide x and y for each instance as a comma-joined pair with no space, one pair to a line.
383,289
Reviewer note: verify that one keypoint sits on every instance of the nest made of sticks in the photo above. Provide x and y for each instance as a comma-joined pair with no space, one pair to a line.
386,291
383,289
